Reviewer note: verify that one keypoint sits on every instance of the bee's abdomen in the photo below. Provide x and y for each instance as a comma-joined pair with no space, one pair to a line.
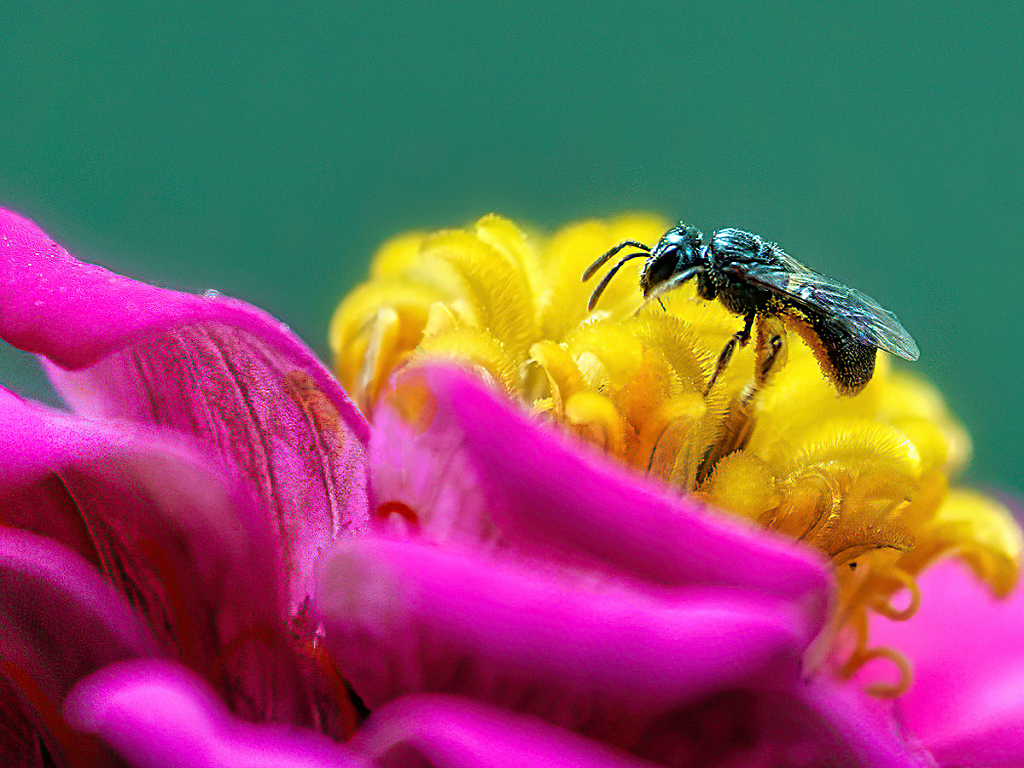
848,362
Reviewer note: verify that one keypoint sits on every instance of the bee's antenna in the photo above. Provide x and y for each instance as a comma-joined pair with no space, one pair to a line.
608,278
600,262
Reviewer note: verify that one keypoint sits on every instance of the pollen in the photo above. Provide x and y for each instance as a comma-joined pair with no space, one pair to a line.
865,480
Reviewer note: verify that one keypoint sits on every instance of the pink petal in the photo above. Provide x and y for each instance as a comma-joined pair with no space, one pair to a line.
449,732
213,368
967,651
594,655
485,471
59,621
160,715
860,727
190,547
35,443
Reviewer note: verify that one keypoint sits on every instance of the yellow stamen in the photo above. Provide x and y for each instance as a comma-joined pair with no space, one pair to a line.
884,690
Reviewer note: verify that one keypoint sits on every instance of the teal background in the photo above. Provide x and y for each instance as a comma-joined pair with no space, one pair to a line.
265,149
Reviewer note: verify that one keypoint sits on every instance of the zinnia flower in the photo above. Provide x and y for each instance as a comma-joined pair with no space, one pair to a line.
213,560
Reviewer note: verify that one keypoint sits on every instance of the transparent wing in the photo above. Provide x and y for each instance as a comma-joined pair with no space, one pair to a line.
861,315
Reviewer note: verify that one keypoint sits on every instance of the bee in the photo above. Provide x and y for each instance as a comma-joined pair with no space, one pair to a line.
752,278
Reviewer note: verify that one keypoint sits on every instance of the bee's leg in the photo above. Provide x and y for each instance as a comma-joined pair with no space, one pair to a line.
769,351
739,339
770,357
774,348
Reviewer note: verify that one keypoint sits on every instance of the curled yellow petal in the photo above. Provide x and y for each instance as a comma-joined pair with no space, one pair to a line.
596,418
672,442
494,285
853,443
353,323
608,355
562,374
397,256
978,530
744,485
474,347
691,365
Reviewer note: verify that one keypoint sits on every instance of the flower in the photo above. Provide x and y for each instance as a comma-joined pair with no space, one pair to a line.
204,556
864,480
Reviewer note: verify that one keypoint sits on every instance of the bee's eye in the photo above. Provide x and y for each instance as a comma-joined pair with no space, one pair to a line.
658,270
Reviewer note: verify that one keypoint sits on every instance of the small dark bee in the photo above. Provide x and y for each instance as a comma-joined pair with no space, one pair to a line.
842,326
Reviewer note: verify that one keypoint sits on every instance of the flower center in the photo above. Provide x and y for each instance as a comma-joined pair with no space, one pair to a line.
863,479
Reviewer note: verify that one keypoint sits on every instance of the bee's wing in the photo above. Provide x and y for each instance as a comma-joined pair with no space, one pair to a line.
861,315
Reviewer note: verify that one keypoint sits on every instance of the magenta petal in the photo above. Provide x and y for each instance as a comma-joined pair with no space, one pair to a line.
59,621
160,715
967,650
404,617
189,545
485,469
860,726
36,443
213,368
154,509
438,731
448,732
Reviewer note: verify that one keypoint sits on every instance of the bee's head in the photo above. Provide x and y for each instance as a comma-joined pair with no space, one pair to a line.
678,252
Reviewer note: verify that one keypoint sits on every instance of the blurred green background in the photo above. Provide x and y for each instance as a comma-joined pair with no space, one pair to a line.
265,149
